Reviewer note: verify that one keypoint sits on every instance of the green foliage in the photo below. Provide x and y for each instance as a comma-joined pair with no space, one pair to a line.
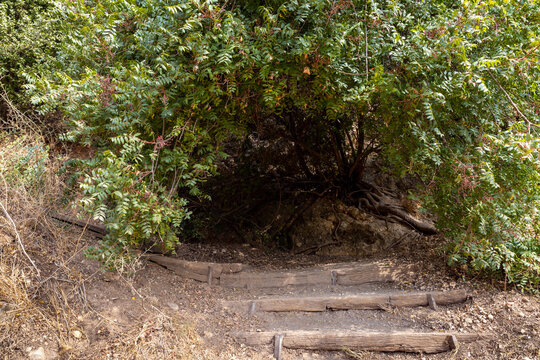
24,162
27,36
469,89
140,209
447,90
122,79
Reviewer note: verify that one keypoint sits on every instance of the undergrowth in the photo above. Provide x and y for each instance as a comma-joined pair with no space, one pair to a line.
42,284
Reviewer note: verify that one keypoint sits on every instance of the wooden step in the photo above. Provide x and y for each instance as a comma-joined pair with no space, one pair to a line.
349,274
235,275
196,270
427,343
347,302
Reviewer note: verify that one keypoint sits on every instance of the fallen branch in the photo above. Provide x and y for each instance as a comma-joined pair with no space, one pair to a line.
529,122
18,237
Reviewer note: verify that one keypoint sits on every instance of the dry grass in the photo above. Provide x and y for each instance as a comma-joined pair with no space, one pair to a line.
29,187
358,355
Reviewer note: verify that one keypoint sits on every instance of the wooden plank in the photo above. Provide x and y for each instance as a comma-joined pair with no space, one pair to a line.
355,302
420,299
369,273
192,275
277,279
195,270
199,267
428,343
98,229
210,274
348,274
233,275
348,302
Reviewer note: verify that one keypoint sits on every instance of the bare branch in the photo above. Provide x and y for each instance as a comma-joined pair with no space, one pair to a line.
513,103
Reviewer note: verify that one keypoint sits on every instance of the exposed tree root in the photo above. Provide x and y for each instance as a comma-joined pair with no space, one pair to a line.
374,200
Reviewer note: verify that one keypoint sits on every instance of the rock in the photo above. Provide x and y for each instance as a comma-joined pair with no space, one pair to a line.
38,354
355,213
77,334
208,334
173,306
490,317
468,320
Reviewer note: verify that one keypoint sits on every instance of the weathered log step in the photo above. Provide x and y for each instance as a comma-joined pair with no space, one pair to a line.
427,343
235,276
349,274
197,270
346,302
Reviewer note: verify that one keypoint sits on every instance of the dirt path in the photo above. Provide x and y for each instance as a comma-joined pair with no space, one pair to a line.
156,314
511,318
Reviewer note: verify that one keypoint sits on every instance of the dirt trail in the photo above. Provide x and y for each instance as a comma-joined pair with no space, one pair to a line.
511,318
156,314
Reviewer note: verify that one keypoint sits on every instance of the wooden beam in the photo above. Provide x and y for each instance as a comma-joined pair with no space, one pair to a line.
427,343
348,302
197,270
376,272
276,279
98,229
347,274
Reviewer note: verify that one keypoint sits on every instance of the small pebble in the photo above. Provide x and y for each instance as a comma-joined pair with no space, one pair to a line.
38,354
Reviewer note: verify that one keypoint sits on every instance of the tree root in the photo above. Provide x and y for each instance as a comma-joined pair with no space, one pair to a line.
373,200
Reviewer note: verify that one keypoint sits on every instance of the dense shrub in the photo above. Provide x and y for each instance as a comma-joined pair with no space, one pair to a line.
447,90
27,36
